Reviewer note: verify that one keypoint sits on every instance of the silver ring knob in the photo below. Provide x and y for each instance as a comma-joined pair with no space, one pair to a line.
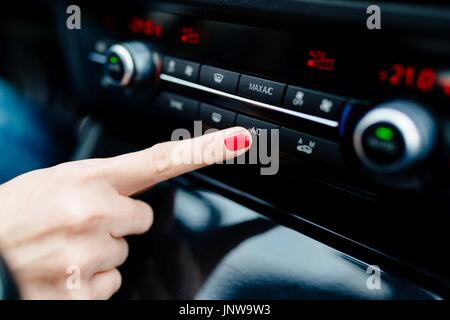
130,62
394,136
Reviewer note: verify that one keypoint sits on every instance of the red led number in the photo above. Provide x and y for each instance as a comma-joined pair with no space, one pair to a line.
426,79
400,75
145,26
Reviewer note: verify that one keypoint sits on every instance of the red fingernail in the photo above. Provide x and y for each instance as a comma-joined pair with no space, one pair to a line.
237,141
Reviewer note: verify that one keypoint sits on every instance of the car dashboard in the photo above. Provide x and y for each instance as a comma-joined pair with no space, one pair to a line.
354,181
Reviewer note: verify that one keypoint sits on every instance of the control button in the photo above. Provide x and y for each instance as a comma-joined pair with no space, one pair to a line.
258,128
181,68
270,92
118,68
395,136
310,147
219,79
178,106
383,143
253,125
313,103
216,117
101,46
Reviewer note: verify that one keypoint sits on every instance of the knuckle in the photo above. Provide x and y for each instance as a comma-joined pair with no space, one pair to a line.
105,288
148,216
158,157
118,280
208,149
84,177
70,260
80,219
144,212
124,251
77,173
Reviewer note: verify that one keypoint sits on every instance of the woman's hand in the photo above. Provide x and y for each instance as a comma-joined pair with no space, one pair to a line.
62,229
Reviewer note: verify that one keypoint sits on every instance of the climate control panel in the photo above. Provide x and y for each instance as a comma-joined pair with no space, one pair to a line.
391,138
320,112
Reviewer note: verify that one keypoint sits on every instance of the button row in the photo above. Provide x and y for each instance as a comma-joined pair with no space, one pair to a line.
271,92
291,141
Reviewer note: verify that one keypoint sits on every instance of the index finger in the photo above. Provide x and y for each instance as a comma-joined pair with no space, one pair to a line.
133,172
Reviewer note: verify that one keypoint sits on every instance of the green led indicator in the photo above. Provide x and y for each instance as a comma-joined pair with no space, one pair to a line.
113,59
384,133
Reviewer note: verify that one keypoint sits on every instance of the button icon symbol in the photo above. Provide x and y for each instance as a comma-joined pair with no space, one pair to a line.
298,99
188,71
218,77
256,131
306,148
326,105
171,66
216,117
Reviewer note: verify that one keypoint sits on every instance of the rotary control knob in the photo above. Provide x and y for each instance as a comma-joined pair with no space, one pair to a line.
395,136
131,62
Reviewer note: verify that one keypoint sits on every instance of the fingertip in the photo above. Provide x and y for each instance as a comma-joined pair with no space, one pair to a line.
238,140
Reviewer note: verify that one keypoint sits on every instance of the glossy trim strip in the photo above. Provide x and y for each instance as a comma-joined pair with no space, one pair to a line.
193,85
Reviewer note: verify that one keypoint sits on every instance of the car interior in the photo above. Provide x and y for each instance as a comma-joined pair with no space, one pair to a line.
348,198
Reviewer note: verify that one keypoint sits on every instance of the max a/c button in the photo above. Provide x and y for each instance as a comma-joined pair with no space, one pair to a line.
267,91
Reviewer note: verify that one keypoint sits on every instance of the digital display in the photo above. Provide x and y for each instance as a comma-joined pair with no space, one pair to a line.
316,59
421,79
145,27
153,28
189,35
408,76
319,60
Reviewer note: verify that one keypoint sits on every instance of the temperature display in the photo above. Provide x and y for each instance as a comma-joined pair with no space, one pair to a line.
399,75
